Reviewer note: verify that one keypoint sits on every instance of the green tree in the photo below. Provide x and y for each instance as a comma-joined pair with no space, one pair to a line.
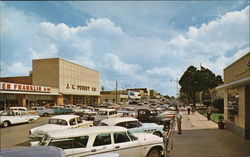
194,80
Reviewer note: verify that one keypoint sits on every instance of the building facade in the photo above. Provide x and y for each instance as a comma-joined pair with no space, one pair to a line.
237,96
119,96
70,83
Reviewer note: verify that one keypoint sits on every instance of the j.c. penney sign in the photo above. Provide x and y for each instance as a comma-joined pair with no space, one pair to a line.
23,87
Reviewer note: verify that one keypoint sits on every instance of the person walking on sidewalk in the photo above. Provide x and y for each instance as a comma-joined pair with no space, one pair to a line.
188,109
178,118
209,112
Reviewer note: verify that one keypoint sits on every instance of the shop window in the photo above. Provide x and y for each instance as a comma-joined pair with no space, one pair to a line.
233,104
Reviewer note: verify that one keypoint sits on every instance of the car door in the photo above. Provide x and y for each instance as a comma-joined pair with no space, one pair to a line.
125,146
102,143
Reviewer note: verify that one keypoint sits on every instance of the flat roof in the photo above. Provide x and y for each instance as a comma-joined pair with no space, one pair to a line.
66,61
238,82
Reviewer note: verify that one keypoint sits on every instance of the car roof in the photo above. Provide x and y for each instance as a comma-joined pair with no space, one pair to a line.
57,134
65,117
114,121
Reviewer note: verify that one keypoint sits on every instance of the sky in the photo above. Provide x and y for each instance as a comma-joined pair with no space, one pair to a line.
140,44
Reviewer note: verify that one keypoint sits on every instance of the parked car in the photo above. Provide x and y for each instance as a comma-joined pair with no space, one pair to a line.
42,111
8,118
165,116
73,107
133,125
19,108
102,139
59,123
32,117
147,115
61,110
89,115
107,113
39,151
127,111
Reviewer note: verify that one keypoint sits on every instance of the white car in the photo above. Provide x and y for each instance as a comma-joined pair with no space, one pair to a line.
102,139
8,118
134,125
59,123
106,114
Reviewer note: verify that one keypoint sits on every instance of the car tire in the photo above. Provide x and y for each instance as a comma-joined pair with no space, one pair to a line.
6,124
158,134
154,153
45,114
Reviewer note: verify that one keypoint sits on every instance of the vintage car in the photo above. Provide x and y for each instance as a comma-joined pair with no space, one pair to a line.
133,125
32,116
147,115
89,115
59,123
39,151
127,111
8,118
42,111
164,117
72,107
61,110
102,139
106,113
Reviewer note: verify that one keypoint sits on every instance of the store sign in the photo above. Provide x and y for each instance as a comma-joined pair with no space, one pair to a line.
23,87
80,87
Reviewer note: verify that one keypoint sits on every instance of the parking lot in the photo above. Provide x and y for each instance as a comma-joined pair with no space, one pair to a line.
17,135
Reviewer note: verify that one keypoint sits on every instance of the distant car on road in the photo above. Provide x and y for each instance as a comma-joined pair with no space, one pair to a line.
42,111
133,125
61,110
59,123
106,114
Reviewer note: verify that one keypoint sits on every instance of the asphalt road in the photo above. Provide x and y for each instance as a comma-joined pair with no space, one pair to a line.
17,135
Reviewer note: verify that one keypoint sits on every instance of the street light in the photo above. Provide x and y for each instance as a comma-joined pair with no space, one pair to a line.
177,88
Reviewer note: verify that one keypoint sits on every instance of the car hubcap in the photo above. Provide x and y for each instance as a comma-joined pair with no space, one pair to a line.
5,124
154,153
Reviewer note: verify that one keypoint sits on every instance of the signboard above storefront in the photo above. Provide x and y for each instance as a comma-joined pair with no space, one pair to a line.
23,87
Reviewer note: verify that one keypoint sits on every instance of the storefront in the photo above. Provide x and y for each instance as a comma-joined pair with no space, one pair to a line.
14,94
237,96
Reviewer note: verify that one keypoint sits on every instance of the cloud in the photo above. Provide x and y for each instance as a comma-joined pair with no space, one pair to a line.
133,59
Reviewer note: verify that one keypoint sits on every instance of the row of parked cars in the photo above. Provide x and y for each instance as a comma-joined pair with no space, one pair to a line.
124,134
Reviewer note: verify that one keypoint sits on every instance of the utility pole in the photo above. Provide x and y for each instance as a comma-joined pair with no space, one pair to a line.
116,86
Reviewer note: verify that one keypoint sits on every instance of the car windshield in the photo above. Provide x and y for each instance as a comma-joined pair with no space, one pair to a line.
132,137
103,113
45,140
58,121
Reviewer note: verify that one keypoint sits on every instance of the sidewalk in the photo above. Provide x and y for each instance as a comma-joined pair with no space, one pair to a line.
202,138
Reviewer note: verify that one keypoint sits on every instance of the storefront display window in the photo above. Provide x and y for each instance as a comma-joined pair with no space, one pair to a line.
233,104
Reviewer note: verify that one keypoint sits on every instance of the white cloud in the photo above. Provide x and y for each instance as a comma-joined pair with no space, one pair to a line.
51,51
18,69
164,71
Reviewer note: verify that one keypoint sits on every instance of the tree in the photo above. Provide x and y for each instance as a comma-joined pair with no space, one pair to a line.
194,80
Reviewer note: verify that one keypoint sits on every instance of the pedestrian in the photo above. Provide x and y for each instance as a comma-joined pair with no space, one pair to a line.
178,118
209,112
188,109
193,109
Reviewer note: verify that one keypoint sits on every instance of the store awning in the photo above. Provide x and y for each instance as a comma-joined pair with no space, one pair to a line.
28,93
243,81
